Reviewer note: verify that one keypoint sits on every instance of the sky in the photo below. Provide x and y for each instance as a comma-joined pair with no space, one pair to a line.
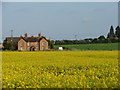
60,0
119,13
0,22
59,20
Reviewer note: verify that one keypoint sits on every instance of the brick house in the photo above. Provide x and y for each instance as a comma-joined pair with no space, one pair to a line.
32,43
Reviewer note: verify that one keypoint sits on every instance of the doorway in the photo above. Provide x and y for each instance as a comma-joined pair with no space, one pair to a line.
32,48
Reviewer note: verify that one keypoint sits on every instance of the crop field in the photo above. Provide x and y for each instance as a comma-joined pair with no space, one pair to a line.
98,46
60,69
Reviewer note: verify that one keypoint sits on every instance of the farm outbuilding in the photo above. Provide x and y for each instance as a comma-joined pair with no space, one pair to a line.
63,48
60,48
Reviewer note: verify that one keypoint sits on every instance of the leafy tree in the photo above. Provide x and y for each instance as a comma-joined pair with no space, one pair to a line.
51,44
95,40
101,37
10,45
88,40
111,34
7,45
117,32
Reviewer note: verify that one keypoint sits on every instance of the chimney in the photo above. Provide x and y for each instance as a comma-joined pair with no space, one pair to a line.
25,34
39,35
21,36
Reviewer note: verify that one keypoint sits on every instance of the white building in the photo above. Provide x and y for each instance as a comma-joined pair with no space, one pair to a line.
60,48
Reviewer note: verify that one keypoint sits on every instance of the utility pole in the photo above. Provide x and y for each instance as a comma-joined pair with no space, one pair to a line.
75,37
11,33
49,38
12,47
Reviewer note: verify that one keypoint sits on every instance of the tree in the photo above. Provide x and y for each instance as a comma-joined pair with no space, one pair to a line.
51,44
95,40
101,37
117,32
88,40
111,34
6,45
10,45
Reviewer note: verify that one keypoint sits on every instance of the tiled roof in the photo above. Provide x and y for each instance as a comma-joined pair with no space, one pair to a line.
32,39
12,39
27,39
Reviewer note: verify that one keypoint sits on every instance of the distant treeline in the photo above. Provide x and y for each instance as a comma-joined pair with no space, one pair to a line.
112,37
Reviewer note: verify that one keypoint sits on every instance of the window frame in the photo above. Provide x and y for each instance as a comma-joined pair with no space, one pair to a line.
43,43
22,44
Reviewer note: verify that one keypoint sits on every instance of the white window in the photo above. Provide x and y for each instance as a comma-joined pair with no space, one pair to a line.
43,43
28,44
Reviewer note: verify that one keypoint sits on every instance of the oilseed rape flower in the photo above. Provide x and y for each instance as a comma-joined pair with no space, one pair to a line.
60,69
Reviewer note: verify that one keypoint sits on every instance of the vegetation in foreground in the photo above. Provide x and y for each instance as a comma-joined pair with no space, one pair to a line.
102,46
60,69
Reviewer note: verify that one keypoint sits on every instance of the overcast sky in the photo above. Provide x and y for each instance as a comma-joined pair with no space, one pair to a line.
59,20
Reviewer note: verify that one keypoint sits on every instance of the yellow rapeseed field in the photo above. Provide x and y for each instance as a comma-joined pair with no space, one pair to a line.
60,69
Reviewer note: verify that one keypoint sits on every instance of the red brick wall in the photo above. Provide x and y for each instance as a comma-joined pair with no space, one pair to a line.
35,44
24,47
43,47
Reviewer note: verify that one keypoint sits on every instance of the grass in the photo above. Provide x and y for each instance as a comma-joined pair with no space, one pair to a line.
102,46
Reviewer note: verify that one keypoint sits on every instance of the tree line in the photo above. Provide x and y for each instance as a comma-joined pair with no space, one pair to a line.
112,37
